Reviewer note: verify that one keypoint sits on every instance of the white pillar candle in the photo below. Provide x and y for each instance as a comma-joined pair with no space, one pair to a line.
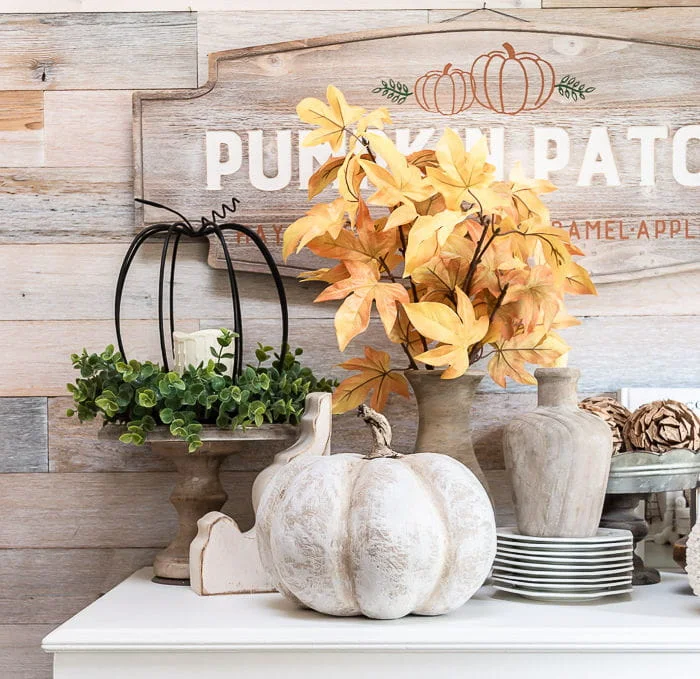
193,348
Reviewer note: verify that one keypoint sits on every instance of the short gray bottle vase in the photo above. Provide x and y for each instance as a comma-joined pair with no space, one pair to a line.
559,458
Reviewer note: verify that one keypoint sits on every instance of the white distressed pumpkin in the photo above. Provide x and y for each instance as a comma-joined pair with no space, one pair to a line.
382,535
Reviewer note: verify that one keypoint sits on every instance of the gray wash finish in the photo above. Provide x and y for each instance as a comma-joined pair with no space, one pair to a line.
24,445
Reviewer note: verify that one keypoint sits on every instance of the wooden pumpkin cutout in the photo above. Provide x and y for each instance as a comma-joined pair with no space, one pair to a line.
225,560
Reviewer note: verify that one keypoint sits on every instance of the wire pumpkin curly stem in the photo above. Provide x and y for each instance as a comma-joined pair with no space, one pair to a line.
209,226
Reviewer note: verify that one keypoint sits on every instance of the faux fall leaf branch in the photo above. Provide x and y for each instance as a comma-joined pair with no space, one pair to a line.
454,261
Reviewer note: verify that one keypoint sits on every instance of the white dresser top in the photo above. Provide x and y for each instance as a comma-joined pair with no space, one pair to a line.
139,615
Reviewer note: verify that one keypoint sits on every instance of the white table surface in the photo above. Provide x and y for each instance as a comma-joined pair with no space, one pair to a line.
142,630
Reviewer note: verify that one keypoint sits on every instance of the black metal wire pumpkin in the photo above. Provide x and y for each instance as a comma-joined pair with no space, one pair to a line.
173,233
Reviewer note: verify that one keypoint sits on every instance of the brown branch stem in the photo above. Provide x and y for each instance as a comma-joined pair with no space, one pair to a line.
477,350
412,363
414,290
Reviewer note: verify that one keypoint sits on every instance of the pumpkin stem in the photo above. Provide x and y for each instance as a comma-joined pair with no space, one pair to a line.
509,50
446,69
381,433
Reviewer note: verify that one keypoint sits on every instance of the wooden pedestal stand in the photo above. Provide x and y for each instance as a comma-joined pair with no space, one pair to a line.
198,490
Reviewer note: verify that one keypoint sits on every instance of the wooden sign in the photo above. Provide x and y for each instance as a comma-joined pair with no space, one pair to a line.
613,121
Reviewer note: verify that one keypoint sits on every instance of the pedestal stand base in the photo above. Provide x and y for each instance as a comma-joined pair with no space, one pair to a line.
619,512
178,582
644,575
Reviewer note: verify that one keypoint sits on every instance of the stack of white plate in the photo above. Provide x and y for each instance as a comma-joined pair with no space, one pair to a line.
564,569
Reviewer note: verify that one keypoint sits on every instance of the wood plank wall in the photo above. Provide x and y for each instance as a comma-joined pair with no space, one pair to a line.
78,515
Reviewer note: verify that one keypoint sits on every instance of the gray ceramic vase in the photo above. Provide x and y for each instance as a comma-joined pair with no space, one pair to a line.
444,415
559,458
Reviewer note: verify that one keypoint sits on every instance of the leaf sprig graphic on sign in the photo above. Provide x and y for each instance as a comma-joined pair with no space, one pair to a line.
573,89
458,265
394,90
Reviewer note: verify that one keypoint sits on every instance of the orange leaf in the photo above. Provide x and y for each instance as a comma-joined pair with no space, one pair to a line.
441,277
510,356
424,158
563,319
367,245
363,287
531,297
496,261
375,375
324,175
337,273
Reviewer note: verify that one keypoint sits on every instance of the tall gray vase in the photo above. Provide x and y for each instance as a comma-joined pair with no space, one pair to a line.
444,415
559,458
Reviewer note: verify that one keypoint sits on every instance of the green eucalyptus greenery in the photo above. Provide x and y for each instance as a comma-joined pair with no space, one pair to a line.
143,395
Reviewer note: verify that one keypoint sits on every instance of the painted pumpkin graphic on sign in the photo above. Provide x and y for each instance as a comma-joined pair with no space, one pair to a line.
447,92
510,82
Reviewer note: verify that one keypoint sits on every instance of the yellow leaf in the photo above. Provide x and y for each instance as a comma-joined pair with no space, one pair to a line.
427,235
404,333
563,319
350,176
577,280
375,375
333,118
376,119
400,182
359,291
526,192
324,175
457,332
548,352
403,214
533,234
464,177
321,219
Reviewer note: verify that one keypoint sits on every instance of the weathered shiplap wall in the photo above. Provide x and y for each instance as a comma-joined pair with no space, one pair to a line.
77,515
